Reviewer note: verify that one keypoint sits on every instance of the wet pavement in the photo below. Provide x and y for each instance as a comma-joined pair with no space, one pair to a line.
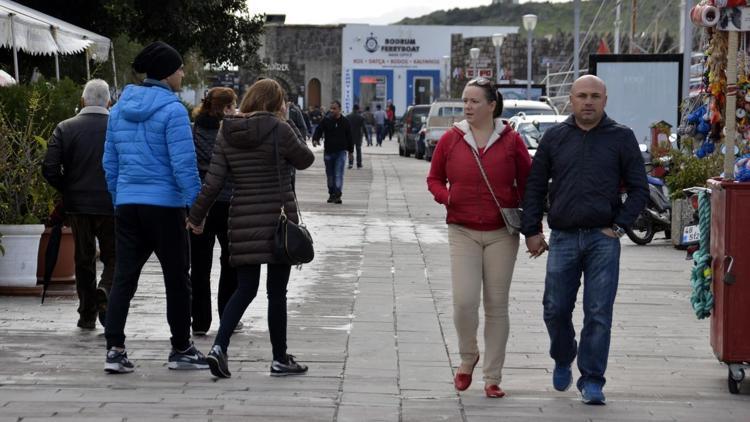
372,317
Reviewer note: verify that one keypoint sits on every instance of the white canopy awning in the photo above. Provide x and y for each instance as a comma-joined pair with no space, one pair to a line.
35,33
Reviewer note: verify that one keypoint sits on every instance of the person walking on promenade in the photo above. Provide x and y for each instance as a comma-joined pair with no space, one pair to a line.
369,124
246,151
73,166
219,102
483,251
338,141
357,126
380,121
316,116
151,171
588,156
390,123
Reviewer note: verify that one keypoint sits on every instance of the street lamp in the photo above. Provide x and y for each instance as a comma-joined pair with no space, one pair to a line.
529,23
497,41
474,54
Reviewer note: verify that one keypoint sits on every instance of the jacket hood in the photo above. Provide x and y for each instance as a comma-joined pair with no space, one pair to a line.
248,132
465,130
604,122
138,103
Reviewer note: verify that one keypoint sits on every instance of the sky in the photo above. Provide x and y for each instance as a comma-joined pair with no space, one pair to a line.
374,12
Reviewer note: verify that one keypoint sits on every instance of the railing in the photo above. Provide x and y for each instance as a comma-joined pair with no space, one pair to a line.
558,88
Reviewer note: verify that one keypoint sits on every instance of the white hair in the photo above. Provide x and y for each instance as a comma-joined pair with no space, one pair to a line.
96,93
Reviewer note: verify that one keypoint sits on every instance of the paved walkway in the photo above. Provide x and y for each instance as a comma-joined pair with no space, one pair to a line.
372,317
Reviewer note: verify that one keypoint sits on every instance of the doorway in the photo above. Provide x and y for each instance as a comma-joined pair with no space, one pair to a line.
423,90
313,93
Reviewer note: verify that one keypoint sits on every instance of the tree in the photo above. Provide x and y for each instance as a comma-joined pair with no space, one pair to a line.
223,31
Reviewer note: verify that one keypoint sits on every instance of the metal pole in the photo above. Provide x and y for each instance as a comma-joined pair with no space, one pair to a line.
618,21
57,67
88,71
476,74
15,49
497,63
576,37
546,88
687,48
114,67
731,122
633,22
528,65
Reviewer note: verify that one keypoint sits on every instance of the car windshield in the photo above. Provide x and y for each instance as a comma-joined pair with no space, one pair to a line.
450,111
532,132
513,111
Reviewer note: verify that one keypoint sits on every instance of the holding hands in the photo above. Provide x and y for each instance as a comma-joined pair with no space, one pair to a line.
536,245
193,228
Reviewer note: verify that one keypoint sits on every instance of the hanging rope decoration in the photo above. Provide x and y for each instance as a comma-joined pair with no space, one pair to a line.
701,298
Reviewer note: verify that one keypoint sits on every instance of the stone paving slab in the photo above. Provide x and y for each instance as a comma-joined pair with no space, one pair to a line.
372,317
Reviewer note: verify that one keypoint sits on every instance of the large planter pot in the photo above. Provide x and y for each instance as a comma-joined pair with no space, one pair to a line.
65,267
18,265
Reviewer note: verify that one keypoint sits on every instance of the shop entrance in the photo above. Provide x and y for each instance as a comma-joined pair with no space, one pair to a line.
313,93
372,91
423,90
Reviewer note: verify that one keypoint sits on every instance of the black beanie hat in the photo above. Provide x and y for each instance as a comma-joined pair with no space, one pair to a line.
158,60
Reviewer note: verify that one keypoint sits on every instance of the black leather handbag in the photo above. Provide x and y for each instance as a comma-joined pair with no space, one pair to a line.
292,243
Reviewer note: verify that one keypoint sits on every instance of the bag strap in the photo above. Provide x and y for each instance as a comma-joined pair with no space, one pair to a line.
278,172
486,180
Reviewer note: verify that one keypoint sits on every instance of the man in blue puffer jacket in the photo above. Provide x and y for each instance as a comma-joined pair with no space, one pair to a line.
151,171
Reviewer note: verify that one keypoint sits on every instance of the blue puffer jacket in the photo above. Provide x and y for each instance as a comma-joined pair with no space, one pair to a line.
149,157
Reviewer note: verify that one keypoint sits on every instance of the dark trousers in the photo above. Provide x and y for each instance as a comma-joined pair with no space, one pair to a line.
358,152
87,228
141,230
597,256
248,278
201,260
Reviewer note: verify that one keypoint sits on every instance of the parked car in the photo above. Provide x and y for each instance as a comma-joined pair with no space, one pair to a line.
408,133
531,128
443,113
514,107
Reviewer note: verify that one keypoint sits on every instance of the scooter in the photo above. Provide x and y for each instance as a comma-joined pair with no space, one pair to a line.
656,217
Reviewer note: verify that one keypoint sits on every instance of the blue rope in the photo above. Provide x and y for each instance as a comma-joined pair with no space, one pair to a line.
701,298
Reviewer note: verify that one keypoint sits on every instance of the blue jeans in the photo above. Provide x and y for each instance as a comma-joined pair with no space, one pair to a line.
335,163
597,256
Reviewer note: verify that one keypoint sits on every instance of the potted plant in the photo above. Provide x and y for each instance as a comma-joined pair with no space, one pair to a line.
25,198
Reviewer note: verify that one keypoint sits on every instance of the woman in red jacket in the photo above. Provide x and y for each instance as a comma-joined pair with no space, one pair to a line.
483,252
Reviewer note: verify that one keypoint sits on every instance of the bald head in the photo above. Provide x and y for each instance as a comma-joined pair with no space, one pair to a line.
588,97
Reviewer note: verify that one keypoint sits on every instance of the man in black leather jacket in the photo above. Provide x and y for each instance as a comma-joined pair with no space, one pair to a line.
587,157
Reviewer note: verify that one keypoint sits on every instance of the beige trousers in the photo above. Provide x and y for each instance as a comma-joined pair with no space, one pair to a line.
482,266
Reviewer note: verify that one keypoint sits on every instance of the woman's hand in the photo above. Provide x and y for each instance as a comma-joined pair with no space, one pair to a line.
193,228
536,245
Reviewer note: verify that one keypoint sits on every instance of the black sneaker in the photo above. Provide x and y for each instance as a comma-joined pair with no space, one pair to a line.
102,298
118,362
290,367
331,198
239,327
188,359
86,324
217,362
337,198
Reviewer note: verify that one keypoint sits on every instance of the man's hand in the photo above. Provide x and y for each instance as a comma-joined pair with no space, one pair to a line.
609,232
316,143
193,228
536,245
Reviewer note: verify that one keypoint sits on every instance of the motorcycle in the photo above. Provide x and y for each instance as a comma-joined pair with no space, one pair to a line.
655,217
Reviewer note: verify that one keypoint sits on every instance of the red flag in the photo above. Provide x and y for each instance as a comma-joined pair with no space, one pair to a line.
603,47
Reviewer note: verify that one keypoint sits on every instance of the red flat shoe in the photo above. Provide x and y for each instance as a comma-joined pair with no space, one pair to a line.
493,391
463,381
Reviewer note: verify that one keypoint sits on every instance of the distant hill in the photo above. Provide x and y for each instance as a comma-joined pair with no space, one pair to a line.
554,17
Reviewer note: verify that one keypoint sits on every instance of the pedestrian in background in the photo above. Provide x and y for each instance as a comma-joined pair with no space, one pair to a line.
151,171
588,156
338,142
369,124
316,116
73,166
483,251
380,124
390,123
246,151
219,102
357,127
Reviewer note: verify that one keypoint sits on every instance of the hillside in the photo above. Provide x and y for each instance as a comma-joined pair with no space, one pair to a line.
554,17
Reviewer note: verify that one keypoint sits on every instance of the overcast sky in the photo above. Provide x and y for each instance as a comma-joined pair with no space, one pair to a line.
375,12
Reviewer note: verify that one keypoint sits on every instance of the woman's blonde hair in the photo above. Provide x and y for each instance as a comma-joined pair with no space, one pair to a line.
215,101
263,95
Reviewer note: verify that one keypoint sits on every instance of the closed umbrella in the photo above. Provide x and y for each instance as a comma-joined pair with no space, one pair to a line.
53,245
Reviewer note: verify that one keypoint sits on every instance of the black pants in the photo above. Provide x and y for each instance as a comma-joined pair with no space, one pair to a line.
141,230
87,228
358,151
248,278
201,260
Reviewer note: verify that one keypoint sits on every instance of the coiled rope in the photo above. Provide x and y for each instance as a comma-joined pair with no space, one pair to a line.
701,298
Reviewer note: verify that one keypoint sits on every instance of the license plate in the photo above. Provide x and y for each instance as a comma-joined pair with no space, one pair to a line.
691,234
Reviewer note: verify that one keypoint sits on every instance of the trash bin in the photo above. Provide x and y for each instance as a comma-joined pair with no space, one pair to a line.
730,265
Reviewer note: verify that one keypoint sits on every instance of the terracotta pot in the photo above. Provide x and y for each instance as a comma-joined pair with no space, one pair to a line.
65,268
18,266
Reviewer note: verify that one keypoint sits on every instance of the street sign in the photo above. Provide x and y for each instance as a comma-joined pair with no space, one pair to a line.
484,73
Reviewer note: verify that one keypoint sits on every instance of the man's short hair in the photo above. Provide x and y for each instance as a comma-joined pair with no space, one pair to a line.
336,102
96,93
355,107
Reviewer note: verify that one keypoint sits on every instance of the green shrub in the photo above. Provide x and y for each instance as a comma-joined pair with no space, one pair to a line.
688,171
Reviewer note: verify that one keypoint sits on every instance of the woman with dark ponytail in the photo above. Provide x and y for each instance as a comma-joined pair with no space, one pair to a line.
218,103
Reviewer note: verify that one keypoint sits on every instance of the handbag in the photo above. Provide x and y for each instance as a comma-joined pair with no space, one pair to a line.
292,243
511,216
